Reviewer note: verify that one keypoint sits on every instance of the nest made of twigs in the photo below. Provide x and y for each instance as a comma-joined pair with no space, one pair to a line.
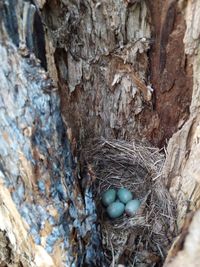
138,167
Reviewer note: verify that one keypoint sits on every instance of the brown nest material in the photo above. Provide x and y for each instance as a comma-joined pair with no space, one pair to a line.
144,239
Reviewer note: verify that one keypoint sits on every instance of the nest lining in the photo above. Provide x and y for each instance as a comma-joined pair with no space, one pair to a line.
138,167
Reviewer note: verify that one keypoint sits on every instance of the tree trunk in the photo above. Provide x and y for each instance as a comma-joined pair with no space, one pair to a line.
48,213
121,69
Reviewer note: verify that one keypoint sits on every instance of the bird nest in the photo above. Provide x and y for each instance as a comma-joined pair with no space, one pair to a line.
141,240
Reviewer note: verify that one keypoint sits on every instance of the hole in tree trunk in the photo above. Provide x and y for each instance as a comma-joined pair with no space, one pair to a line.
122,80
125,82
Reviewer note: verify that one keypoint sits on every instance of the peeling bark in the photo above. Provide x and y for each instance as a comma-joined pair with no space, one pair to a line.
181,167
101,58
123,69
185,250
48,221
182,163
97,53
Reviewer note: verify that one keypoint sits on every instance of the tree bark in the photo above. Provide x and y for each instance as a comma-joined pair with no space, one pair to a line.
121,69
45,218
182,163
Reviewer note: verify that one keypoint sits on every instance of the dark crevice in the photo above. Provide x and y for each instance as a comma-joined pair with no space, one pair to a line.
39,40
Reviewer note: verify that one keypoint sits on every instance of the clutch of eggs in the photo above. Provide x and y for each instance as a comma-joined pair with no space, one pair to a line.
118,202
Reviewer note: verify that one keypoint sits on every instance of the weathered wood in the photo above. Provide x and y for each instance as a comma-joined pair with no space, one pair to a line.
97,54
182,164
185,250
183,154
100,51
48,221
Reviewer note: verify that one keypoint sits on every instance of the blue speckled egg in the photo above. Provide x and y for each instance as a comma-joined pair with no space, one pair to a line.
108,197
124,195
132,206
115,210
